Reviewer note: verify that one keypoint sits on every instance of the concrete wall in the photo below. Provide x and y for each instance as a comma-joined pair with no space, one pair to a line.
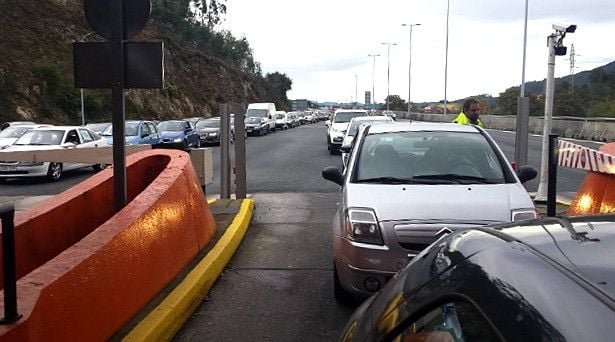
578,129
84,271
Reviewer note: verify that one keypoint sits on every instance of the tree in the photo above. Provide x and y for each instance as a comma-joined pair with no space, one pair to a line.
277,85
396,103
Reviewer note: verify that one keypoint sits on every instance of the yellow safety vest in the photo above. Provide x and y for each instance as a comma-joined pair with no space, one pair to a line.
462,119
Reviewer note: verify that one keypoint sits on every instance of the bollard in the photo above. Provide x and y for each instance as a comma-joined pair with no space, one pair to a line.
7,214
552,175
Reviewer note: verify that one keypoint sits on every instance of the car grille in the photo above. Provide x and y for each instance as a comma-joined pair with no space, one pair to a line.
415,237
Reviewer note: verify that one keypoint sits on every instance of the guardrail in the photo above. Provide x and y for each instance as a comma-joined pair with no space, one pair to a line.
7,215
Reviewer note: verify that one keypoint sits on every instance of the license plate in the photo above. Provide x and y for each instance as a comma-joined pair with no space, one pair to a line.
8,168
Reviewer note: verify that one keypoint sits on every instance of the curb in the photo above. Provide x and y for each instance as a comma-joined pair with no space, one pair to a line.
169,316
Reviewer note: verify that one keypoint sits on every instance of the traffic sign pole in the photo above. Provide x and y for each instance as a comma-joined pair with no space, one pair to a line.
118,104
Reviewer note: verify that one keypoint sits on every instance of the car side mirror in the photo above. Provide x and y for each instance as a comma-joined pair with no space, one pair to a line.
332,173
328,123
526,173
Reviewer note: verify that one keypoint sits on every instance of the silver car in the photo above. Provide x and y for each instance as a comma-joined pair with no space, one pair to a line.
407,185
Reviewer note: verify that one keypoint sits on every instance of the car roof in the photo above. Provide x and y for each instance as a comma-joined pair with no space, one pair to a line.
371,118
55,128
421,126
350,110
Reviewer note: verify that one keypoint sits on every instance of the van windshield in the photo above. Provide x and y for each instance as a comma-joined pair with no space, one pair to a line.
279,116
259,113
347,116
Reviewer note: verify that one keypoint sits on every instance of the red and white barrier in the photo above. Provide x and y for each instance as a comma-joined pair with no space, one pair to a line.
580,157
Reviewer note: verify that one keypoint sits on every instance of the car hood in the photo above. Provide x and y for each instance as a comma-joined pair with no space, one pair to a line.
7,141
477,203
171,134
339,126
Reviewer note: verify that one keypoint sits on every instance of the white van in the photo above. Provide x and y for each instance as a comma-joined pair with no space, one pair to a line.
263,110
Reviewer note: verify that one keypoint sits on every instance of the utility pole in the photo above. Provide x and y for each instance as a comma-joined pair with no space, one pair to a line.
388,69
410,66
356,99
572,66
556,48
523,109
448,2
373,79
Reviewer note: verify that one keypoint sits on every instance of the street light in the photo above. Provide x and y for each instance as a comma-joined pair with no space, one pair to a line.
356,99
410,64
82,39
523,108
373,79
388,68
448,2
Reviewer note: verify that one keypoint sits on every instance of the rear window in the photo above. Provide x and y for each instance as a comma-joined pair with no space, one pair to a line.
347,116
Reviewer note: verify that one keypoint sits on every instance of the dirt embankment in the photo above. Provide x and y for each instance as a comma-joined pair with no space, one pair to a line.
39,33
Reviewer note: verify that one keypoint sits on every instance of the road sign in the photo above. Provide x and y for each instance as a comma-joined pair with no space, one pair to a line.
100,16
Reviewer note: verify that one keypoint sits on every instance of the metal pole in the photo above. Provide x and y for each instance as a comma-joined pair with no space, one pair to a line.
544,161
240,155
225,160
523,108
82,108
388,72
409,69
118,103
552,187
7,214
448,2
356,99
373,81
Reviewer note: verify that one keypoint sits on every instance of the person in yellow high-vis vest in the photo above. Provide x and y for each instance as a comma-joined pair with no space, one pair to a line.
469,114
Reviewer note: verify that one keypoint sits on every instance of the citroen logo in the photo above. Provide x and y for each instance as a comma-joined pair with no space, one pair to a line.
443,231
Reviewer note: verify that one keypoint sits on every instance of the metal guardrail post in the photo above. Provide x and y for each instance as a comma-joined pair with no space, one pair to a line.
552,177
240,155
7,214
225,158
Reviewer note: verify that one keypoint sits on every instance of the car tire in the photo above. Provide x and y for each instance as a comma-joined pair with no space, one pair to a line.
332,150
341,296
54,173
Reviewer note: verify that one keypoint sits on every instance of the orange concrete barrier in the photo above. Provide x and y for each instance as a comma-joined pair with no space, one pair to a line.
84,272
597,192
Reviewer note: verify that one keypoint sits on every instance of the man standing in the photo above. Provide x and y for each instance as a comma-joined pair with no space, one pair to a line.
469,114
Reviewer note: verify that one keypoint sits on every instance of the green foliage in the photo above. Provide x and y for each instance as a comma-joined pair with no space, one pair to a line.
507,103
396,103
56,91
276,85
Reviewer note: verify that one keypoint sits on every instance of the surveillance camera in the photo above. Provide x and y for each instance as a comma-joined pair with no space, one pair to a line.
559,28
566,29
571,28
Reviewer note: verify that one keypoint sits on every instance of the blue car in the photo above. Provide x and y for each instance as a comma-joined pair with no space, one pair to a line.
136,133
178,134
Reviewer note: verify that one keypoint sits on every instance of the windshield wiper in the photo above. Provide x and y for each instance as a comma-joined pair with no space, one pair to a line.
459,178
395,180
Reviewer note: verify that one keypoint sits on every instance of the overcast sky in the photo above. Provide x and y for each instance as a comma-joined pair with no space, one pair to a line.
322,45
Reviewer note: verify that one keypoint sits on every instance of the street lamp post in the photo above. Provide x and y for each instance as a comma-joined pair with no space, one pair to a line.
448,2
410,65
373,79
388,69
82,39
523,108
356,99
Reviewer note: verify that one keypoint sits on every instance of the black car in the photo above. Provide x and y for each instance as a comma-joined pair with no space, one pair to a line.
541,280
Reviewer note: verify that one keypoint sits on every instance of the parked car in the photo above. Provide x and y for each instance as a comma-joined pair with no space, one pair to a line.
282,120
209,131
256,126
337,126
263,110
194,120
48,138
391,114
15,123
405,185
136,133
539,280
178,134
353,128
10,134
97,127
293,121
310,117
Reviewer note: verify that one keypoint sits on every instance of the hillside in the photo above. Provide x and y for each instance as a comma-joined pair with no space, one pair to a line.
580,79
36,71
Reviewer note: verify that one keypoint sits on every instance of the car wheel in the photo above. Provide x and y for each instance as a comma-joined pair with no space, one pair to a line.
332,150
55,172
341,295
186,145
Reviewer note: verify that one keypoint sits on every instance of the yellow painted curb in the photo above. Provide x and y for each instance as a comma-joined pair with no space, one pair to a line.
210,201
168,317
562,202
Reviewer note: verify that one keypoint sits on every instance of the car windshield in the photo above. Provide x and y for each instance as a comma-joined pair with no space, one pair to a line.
259,113
130,129
174,126
208,123
355,124
97,127
279,116
50,137
443,157
347,116
13,132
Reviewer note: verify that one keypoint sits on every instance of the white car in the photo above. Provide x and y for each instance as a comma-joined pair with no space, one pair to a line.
9,135
338,125
389,113
282,120
48,138
353,127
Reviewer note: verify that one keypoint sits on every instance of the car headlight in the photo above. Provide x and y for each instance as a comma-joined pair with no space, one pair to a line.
523,214
213,134
362,226
178,140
